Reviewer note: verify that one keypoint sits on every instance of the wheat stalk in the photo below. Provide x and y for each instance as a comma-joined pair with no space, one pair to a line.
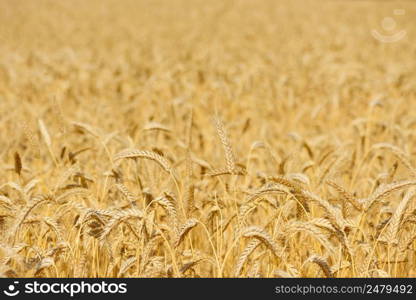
391,234
251,246
184,230
229,155
263,237
133,153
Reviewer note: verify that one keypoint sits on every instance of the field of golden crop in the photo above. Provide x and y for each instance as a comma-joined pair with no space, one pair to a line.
191,138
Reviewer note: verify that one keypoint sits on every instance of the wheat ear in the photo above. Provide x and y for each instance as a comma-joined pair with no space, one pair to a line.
133,153
391,234
264,237
252,245
229,155
184,230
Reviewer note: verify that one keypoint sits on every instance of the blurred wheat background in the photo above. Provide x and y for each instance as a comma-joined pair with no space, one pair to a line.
207,139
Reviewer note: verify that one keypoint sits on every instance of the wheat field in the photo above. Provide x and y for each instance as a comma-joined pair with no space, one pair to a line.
207,138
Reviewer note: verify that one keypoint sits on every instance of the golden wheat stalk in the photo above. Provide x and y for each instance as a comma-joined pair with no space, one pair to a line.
184,230
401,155
322,263
229,155
385,190
133,153
35,202
345,195
251,246
391,234
126,265
263,237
